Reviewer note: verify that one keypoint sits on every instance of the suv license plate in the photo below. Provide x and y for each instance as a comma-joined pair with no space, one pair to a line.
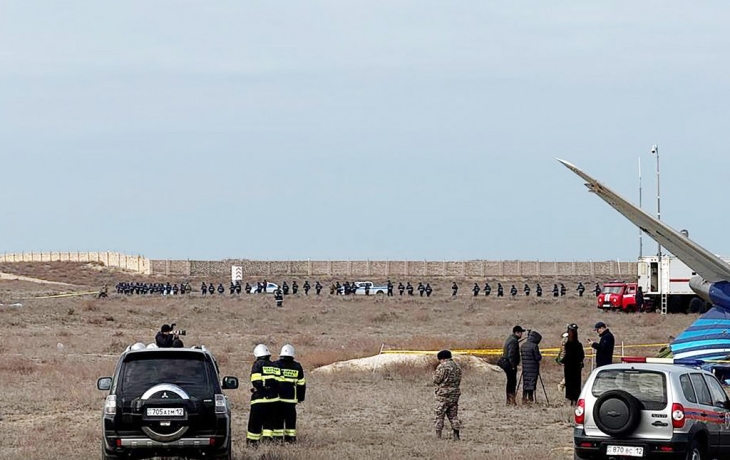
627,451
165,412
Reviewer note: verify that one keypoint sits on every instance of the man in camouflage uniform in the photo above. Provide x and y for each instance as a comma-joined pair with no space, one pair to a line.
447,379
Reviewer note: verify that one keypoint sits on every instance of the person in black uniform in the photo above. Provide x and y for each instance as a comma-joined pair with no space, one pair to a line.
279,297
211,289
317,287
294,287
232,288
265,377
337,288
538,290
292,389
421,289
513,291
203,288
500,290
401,288
409,288
306,287
526,290
581,289
221,289
454,289
429,290
247,288
475,289
556,291
175,289
597,290
238,287
390,288
285,288
487,289
562,290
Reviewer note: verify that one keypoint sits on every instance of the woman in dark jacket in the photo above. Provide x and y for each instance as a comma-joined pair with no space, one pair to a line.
531,358
572,365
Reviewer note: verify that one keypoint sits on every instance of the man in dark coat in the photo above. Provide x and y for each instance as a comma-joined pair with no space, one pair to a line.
429,289
531,357
500,290
511,359
604,347
487,289
572,361
640,300
475,289
538,290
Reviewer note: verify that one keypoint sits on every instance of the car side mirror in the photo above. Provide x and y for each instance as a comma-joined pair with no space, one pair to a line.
104,383
229,383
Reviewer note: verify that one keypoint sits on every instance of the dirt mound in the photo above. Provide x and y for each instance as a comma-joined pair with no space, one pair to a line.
10,276
373,363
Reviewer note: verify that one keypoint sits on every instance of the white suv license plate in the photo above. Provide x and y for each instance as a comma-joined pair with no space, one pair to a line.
165,412
626,451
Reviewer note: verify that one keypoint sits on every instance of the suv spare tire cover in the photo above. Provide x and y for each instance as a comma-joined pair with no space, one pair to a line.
617,413
166,392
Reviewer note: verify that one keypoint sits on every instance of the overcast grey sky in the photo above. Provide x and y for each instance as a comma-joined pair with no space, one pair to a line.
363,130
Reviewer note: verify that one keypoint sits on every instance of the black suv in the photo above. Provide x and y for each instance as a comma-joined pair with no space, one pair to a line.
166,402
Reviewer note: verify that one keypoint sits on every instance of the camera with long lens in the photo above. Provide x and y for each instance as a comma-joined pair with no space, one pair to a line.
178,331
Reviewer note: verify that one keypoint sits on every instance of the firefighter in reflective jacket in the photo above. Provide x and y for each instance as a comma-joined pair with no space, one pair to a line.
292,387
264,396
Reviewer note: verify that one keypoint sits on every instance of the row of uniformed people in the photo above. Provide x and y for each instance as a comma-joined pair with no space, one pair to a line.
277,387
556,291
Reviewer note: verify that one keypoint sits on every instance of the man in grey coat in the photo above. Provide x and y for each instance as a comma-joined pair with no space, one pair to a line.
531,358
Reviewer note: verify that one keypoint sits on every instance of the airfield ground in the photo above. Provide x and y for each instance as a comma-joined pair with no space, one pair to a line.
53,350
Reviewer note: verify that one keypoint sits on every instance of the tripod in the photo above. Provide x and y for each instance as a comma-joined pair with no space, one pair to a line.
539,379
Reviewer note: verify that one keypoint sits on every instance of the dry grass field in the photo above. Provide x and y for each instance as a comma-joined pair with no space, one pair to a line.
53,350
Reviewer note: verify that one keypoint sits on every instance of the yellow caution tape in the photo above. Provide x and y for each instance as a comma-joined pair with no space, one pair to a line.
498,351
67,294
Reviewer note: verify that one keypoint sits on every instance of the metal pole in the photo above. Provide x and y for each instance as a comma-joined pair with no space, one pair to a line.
655,150
641,233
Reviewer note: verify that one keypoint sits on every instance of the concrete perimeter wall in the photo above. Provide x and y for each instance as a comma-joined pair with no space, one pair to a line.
335,268
387,268
137,264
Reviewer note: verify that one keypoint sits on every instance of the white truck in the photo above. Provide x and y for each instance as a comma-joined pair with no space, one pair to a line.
671,276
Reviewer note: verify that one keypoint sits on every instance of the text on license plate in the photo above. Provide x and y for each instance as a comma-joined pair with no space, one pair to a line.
165,411
628,451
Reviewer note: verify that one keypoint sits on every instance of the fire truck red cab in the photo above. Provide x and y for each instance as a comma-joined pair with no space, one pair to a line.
618,295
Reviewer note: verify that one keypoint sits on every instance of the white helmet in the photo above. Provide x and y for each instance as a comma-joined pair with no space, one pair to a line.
261,350
152,345
138,346
287,350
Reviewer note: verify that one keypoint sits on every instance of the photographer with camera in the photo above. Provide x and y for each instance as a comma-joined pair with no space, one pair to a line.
167,337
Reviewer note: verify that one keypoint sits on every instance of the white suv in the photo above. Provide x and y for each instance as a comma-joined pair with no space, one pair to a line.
643,410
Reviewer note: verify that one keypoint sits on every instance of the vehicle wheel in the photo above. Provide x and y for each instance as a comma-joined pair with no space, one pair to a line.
379,294
694,451
104,455
696,305
617,413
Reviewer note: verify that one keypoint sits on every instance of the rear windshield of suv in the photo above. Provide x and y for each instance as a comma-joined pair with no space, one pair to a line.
142,371
649,387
